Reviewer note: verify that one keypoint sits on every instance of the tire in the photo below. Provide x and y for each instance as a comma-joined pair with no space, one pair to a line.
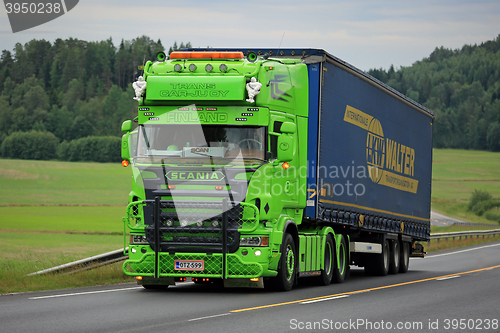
329,262
378,264
404,258
395,257
341,269
288,265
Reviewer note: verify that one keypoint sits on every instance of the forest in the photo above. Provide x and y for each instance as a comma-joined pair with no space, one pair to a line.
461,87
66,99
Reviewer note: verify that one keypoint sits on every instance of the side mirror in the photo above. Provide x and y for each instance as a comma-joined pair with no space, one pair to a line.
288,127
285,147
125,146
127,126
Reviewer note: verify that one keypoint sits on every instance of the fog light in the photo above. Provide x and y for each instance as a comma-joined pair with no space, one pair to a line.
178,68
257,253
133,250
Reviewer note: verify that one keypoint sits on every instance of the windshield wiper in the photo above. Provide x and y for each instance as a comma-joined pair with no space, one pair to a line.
145,137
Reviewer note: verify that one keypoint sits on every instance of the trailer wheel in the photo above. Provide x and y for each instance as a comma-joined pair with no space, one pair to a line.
342,267
378,264
395,257
288,266
404,258
329,261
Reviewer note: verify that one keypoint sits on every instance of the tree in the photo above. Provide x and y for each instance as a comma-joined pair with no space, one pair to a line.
493,136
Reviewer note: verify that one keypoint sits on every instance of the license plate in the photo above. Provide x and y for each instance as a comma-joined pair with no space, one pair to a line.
189,265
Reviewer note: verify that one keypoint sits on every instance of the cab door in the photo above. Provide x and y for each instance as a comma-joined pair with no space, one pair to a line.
284,184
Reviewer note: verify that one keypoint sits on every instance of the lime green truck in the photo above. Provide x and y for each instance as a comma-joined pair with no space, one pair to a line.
255,168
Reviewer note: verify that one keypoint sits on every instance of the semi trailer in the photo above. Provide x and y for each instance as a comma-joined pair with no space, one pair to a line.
260,167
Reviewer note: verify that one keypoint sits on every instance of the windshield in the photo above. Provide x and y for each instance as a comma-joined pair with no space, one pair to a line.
201,141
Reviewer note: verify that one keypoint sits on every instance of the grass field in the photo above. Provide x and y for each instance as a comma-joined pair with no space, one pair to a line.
456,174
57,212
90,220
25,182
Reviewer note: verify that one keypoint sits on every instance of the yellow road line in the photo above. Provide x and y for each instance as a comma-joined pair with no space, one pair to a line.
364,290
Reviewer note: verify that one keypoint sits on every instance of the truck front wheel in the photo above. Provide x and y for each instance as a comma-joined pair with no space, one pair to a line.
288,265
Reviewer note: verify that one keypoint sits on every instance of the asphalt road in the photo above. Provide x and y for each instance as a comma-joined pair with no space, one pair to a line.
449,291
441,220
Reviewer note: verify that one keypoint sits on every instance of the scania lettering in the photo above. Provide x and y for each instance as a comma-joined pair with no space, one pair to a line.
259,167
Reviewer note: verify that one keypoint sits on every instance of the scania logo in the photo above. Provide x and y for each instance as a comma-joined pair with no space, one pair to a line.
195,175
200,150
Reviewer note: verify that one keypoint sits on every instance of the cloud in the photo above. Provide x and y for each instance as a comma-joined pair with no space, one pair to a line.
367,34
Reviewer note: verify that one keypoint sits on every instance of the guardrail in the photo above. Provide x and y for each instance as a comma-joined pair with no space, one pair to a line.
465,234
86,264
470,224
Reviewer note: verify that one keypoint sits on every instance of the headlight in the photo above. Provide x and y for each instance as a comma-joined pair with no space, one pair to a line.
138,239
254,241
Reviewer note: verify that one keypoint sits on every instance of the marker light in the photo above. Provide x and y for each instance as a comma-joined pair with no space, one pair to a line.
199,224
138,277
223,68
192,67
254,279
286,165
206,55
184,223
169,223
171,187
219,187
125,163
209,68
215,223
178,68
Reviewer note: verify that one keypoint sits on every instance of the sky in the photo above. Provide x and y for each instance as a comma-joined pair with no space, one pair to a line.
366,34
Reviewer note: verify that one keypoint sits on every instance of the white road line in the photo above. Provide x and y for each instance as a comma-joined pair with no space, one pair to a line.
448,277
208,317
447,254
85,293
324,299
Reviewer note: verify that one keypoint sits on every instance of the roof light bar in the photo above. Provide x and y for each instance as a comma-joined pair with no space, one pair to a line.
206,55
